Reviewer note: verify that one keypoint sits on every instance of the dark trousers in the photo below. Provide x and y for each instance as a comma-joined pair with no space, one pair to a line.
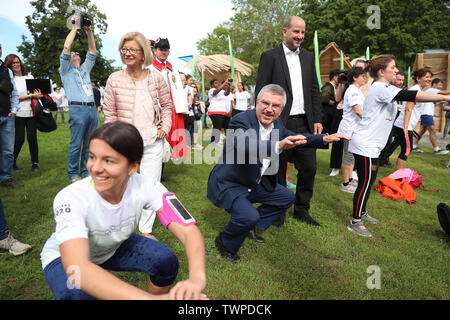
305,163
367,169
28,124
398,140
218,122
189,122
235,112
338,147
385,153
244,216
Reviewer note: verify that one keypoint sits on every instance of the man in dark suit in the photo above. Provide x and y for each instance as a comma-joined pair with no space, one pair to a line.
293,69
246,172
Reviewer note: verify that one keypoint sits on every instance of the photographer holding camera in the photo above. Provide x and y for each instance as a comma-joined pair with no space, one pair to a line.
83,117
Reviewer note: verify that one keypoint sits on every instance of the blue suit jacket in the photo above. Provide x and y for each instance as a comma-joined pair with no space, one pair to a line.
239,167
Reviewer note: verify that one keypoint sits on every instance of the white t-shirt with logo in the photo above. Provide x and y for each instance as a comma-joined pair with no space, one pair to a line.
242,100
80,212
428,107
350,119
415,114
371,134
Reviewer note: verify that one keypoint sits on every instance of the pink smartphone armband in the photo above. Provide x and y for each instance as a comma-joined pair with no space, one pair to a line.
174,211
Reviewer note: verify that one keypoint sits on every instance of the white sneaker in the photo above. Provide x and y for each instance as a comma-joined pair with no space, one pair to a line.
355,183
354,176
440,151
334,172
13,246
350,188
416,149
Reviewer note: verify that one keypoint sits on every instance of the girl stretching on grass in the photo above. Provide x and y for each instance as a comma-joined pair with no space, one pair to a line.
95,222
371,134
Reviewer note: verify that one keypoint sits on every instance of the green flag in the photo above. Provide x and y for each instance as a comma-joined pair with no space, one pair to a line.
342,60
409,77
367,53
203,98
193,67
316,54
231,60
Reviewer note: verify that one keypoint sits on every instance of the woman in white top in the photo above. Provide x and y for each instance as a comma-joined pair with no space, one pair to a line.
58,97
218,109
24,118
242,100
352,114
408,119
95,222
371,134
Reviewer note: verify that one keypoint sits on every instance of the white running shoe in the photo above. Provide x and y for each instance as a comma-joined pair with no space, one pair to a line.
440,151
354,176
334,172
350,188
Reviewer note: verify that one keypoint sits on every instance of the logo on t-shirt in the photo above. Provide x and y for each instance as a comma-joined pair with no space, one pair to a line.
61,209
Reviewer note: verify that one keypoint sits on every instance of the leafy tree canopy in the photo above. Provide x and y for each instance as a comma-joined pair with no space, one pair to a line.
405,26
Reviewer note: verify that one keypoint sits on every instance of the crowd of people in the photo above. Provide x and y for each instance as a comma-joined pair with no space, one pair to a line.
151,109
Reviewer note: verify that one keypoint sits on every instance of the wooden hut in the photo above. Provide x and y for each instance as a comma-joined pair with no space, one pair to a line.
439,64
218,67
330,59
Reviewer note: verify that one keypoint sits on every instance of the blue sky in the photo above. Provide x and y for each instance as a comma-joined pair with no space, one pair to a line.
184,24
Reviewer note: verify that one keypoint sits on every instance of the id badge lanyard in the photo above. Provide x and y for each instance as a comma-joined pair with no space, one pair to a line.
86,88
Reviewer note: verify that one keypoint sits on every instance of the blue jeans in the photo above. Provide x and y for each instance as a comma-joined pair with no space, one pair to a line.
136,254
7,137
3,225
244,216
83,120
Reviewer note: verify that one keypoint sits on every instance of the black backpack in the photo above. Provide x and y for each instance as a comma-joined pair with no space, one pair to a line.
443,212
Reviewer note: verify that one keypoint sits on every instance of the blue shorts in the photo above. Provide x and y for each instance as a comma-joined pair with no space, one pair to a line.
426,120
136,254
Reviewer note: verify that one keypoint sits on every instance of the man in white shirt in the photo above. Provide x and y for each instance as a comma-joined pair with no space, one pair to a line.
293,69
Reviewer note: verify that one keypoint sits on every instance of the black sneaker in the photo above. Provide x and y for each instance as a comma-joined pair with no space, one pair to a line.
15,167
11,183
233,257
34,167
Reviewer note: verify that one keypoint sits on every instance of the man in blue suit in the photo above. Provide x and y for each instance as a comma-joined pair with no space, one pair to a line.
246,172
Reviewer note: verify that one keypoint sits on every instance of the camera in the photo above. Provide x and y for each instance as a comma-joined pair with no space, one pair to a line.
84,21
342,78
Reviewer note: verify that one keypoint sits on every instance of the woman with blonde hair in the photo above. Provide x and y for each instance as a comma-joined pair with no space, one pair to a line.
141,97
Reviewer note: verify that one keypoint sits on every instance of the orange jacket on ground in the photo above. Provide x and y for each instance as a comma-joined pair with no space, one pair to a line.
393,189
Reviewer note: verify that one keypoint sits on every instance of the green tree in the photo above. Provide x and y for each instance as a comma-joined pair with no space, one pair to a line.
48,28
405,26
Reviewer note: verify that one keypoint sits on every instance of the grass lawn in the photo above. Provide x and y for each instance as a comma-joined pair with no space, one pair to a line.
297,261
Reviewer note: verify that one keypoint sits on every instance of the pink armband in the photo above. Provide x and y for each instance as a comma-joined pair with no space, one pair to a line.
173,211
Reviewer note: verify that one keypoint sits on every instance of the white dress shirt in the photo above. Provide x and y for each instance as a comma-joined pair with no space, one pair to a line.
295,73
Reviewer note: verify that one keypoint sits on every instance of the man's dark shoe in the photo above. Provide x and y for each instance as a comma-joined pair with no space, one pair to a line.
252,235
164,179
306,218
15,167
11,183
233,257
34,167
280,220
